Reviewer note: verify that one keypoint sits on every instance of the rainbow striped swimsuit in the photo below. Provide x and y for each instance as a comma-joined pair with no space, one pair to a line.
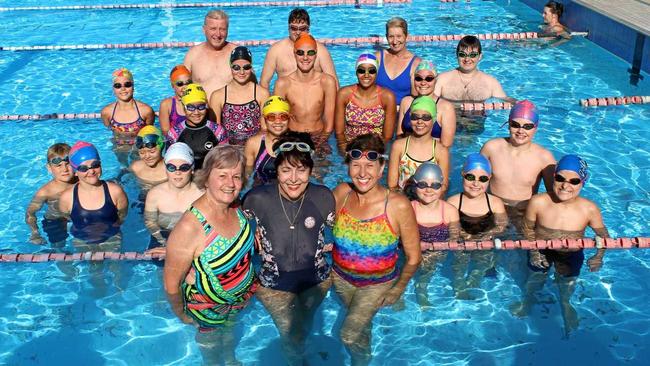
365,251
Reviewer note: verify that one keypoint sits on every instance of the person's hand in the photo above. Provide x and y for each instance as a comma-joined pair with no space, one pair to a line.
37,239
595,263
538,260
389,297
157,251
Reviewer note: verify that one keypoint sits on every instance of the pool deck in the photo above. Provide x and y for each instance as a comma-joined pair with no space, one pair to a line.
632,13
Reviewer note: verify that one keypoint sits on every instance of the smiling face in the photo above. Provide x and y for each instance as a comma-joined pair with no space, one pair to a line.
292,179
277,123
124,92
92,175
365,173
424,82
224,184
178,178
150,156
241,71
196,116
421,122
468,58
62,171
566,191
428,195
305,57
216,32
366,75
474,188
520,131
396,39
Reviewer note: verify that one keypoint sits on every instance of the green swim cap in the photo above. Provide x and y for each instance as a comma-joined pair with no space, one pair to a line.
424,103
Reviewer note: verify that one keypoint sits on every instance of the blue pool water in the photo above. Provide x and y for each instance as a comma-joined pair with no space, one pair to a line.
100,314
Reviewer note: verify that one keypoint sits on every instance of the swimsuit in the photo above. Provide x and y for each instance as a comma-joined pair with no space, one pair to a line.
130,128
407,126
408,165
365,251
223,273
241,121
434,233
264,165
175,119
362,120
94,226
476,224
293,260
401,85
567,264
201,138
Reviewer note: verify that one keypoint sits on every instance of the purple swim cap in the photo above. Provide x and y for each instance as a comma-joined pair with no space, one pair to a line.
82,151
525,109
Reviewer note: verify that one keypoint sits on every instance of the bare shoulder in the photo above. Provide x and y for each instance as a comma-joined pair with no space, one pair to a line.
445,105
451,212
588,205
539,200
454,200
193,52
445,76
251,145
322,48
405,103
496,203
346,91
115,188
166,103
106,111
388,96
327,80
398,203
543,153
186,230
146,108
398,145
493,145
341,191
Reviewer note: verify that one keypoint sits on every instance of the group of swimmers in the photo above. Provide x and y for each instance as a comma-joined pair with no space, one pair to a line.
221,128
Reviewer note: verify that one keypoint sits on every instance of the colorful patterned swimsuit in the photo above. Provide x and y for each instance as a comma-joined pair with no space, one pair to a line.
241,121
365,251
223,273
408,165
175,119
129,129
434,233
361,120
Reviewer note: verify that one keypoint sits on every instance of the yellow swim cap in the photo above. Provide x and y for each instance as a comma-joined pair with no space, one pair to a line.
149,134
194,93
275,104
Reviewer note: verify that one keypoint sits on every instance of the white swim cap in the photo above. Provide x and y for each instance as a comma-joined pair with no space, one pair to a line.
180,151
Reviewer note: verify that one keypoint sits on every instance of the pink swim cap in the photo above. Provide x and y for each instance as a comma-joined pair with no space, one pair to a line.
525,109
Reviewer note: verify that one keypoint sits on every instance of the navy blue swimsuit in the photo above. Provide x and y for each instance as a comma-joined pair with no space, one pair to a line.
94,226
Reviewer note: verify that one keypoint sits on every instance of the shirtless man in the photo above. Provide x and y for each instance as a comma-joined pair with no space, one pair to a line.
209,61
466,83
518,164
279,59
310,93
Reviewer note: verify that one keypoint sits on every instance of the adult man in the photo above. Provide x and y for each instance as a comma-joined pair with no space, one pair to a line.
466,83
280,58
209,61
311,94
518,164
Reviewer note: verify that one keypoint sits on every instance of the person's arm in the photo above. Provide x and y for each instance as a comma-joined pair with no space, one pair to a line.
30,216
500,217
106,115
390,106
262,95
120,200
189,58
339,118
249,152
393,165
181,246
149,115
442,157
163,115
269,68
216,103
548,173
536,259
453,219
598,226
65,202
151,216
498,92
448,122
326,63
329,86
280,87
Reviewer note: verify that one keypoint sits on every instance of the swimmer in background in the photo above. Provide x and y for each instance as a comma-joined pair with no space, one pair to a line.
209,61
311,94
54,222
552,26
150,169
171,112
280,56
561,214
518,164
167,201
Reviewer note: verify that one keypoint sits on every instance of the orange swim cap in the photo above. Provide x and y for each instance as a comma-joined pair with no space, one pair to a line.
305,39
178,71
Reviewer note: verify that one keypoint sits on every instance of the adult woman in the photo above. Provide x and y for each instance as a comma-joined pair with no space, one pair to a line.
482,216
444,127
167,201
117,115
237,105
370,222
211,240
150,169
552,26
396,67
171,112
364,107
97,208
294,276
409,152
259,152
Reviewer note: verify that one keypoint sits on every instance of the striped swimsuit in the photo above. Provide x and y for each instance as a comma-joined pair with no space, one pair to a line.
365,251
223,272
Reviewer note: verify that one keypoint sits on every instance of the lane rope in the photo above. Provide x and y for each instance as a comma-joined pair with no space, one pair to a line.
608,101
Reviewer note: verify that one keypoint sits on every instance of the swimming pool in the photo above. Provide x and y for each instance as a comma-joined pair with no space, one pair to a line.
57,313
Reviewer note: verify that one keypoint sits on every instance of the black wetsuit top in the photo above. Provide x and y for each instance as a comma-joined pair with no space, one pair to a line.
201,139
476,224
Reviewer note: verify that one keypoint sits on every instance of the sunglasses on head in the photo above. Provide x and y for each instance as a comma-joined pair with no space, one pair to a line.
462,54
58,160
309,53
471,177
356,154
573,181
245,67
183,167
272,117
195,107
425,185
424,117
288,146
127,85
369,71
180,83
94,165
428,79
517,125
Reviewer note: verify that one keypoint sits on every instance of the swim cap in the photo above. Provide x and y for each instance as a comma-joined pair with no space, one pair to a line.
305,39
82,151
178,71
574,163
122,72
179,151
477,161
426,65
428,170
151,134
424,103
367,59
194,93
241,53
275,104
525,109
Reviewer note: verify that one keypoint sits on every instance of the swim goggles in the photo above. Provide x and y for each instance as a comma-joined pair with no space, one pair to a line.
295,28
58,160
424,117
462,54
148,141
309,53
272,117
288,146
428,79
471,177
356,154
94,165
127,85
573,181
368,71
245,67
425,185
183,167
525,126
180,83
195,107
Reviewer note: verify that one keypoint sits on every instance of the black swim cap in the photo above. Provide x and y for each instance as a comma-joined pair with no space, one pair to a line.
241,53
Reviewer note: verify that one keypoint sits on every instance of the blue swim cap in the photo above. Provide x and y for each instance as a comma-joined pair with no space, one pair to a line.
575,164
428,170
477,161
82,151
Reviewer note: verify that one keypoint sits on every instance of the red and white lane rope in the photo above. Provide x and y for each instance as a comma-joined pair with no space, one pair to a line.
607,101
235,4
585,243
483,106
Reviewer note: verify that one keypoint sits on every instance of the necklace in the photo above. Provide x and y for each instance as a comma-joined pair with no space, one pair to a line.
465,83
291,222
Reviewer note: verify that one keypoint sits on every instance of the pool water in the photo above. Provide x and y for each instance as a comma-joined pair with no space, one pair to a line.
117,313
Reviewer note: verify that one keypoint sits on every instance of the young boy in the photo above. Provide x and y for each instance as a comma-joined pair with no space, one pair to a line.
54,224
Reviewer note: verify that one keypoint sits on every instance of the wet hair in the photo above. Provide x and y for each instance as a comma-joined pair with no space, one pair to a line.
556,8
366,142
470,42
298,15
220,157
294,157
397,22
217,15
58,149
